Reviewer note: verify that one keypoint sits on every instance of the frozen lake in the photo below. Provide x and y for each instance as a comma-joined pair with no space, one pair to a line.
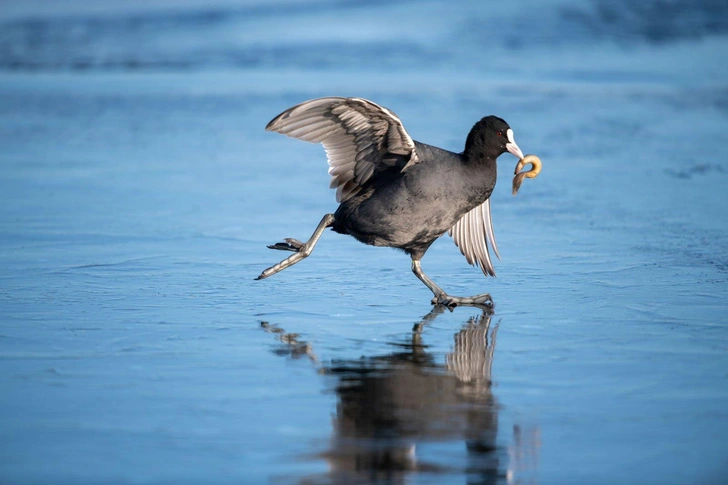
139,190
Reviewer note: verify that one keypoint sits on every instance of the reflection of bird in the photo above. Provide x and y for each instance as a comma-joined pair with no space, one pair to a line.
472,358
396,192
390,407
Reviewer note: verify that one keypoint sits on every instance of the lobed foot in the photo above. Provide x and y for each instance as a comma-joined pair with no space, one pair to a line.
483,300
301,250
288,244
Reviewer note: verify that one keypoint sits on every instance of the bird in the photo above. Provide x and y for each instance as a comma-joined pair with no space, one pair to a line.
396,192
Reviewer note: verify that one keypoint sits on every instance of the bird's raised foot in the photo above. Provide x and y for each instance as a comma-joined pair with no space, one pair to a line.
288,244
265,274
481,301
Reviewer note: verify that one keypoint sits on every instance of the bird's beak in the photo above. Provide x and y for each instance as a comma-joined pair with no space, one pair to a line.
511,145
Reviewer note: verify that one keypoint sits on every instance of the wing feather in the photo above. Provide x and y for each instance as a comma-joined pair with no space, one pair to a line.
474,235
360,137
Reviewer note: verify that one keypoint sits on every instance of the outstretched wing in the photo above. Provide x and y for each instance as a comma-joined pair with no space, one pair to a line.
473,234
361,138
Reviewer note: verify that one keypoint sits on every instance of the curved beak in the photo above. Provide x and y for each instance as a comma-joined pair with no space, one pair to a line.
511,145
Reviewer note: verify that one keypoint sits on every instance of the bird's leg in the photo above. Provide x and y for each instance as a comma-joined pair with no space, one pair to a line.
417,270
302,250
442,298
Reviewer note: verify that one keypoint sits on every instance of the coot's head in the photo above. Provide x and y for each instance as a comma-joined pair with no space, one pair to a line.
491,137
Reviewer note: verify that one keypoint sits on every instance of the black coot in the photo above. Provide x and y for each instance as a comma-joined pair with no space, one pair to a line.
396,192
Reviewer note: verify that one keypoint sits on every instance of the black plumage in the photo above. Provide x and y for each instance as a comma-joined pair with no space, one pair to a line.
396,192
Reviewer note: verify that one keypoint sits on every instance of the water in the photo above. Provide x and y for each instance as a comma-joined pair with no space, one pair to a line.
139,191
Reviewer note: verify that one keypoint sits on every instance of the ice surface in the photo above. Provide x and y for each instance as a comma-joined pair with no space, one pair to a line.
139,189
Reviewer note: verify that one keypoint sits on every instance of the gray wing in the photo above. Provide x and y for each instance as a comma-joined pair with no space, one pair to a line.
473,234
360,138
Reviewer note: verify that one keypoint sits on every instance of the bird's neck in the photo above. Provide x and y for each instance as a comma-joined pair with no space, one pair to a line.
481,161
478,154
481,174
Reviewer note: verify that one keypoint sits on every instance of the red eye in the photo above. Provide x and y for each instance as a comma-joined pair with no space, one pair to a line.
500,133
